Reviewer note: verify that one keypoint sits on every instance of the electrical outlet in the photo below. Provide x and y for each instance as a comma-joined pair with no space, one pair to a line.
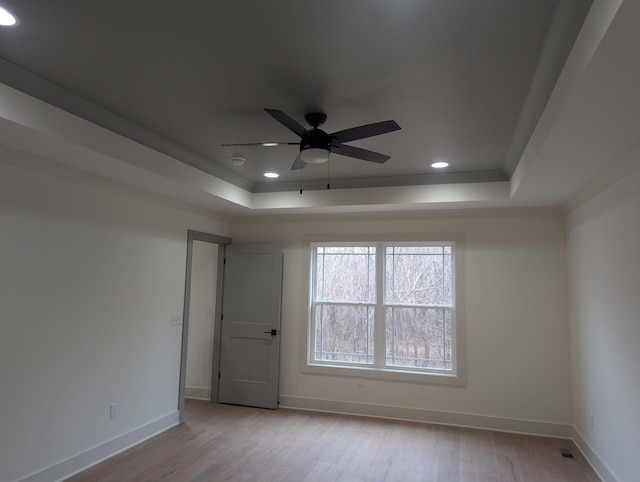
207,313
593,422
176,320
360,383
113,411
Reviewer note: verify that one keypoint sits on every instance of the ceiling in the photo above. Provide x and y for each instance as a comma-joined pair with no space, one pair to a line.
158,86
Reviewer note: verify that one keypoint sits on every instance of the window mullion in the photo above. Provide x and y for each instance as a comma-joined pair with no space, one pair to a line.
379,313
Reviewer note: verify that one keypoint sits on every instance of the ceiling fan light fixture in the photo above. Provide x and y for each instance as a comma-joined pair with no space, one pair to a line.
314,155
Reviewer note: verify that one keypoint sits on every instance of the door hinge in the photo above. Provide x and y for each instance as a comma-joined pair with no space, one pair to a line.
224,261
218,375
221,316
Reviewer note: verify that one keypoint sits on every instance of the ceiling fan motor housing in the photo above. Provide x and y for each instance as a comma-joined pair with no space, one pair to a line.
315,119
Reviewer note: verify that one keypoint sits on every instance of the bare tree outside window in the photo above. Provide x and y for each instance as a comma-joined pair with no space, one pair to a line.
416,310
344,296
418,303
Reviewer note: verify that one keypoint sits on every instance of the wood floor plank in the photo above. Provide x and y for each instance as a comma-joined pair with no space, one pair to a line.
231,443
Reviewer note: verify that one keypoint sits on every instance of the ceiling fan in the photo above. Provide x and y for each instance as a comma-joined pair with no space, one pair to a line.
315,144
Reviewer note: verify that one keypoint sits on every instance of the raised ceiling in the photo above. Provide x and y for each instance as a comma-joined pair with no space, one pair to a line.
466,80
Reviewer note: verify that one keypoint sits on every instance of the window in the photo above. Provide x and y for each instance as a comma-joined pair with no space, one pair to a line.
389,308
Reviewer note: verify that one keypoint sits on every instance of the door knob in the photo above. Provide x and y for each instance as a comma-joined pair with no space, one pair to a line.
272,332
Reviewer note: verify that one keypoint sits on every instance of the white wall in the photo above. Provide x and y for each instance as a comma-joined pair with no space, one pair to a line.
88,281
516,321
201,316
604,280
89,278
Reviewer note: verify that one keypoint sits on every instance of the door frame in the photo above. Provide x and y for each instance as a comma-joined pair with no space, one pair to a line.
221,241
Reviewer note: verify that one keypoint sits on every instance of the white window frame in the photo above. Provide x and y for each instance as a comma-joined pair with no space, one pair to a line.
454,377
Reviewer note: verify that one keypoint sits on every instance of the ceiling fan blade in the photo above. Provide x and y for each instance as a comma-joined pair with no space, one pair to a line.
266,144
365,131
287,121
359,153
298,163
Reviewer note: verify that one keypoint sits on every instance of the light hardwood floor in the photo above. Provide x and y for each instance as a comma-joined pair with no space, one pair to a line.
224,442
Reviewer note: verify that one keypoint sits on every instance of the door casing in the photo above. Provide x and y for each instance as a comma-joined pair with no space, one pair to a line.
221,241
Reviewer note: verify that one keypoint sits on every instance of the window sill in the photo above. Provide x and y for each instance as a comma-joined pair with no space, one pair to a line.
381,374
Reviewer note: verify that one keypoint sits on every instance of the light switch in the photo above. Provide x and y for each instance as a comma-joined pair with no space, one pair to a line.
176,319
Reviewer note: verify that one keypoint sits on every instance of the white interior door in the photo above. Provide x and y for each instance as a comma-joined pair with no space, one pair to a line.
250,332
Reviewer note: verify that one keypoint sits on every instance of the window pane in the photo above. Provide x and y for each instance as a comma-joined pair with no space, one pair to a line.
343,333
345,274
415,249
419,337
418,275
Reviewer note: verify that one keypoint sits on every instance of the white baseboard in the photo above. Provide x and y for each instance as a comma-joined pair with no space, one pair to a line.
92,456
530,427
592,457
197,393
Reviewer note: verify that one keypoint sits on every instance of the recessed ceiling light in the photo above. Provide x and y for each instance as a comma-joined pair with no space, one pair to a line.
440,164
271,175
7,19
269,144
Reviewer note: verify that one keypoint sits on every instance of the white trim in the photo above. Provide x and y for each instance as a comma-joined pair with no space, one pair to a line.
596,463
385,374
407,215
198,393
82,461
500,424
